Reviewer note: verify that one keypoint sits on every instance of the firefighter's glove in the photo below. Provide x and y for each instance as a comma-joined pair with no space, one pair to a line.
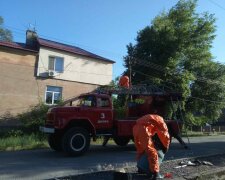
164,150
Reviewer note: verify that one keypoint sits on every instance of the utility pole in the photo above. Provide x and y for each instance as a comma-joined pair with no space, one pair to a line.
130,71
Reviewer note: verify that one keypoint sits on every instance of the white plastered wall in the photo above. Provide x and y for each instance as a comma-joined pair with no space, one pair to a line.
77,68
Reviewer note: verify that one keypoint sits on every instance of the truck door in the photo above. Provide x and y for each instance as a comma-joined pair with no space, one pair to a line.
105,113
98,110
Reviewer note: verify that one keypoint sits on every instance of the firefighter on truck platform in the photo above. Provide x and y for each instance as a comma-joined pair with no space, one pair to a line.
151,138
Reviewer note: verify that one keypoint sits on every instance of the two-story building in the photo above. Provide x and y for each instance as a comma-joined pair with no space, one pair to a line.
42,70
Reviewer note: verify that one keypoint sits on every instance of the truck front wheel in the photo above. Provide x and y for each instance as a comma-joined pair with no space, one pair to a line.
76,141
121,141
55,142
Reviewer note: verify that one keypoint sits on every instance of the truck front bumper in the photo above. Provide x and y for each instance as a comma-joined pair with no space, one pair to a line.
47,130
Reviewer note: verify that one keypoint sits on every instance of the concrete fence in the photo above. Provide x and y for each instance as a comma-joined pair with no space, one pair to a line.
208,129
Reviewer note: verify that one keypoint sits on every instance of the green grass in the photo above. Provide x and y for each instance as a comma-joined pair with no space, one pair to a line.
28,142
99,141
23,142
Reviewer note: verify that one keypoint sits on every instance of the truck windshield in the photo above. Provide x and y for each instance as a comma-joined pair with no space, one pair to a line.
89,101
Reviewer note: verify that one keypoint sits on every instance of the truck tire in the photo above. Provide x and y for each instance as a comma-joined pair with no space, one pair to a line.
121,141
55,142
76,141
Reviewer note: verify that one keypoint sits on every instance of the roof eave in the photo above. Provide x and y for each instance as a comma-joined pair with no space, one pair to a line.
18,48
105,60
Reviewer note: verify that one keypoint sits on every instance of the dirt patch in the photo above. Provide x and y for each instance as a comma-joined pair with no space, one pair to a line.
200,171
189,172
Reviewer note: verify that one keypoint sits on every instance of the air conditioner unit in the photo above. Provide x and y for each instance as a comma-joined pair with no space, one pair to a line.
52,73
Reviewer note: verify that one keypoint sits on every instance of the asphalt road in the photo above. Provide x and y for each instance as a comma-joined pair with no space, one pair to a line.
45,163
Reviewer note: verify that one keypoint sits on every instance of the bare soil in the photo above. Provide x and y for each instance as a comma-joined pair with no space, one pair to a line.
200,172
188,172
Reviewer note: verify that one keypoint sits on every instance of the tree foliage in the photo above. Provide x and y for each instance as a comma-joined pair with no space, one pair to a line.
174,51
5,34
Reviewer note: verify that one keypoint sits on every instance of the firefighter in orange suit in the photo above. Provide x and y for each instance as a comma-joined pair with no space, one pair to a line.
144,130
124,82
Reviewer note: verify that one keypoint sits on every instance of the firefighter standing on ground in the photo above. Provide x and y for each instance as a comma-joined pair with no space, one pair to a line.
146,127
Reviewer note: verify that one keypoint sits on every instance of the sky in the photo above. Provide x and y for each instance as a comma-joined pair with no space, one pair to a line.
103,27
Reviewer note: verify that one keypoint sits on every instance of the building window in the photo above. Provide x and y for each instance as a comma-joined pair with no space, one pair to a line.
53,94
56,64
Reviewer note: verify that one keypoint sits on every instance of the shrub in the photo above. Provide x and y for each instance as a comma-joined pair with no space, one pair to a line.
14,133
33,118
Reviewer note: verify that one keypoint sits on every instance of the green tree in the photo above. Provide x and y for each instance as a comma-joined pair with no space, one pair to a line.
5,34
174,51
208,93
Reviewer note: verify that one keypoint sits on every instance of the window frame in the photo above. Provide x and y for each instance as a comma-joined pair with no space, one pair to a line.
53,94
87,98
100,100
54,63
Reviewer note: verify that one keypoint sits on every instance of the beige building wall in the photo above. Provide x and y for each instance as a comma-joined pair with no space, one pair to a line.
19,87
77,68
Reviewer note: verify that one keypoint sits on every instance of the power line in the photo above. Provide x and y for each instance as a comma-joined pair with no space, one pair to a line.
84,72
144,63
157,78
207,100
19,31
10,109
218,5
198,98
16,29
17,64
163,69
27,80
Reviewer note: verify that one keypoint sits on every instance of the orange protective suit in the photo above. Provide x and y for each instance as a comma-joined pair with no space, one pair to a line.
124,81
146,127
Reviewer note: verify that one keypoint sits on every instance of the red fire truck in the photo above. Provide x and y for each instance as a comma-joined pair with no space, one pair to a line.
70,127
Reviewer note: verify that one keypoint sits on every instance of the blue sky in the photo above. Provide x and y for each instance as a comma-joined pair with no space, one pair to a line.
103,27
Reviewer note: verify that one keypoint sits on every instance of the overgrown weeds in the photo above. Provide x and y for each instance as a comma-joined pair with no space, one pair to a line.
22,142
26,136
